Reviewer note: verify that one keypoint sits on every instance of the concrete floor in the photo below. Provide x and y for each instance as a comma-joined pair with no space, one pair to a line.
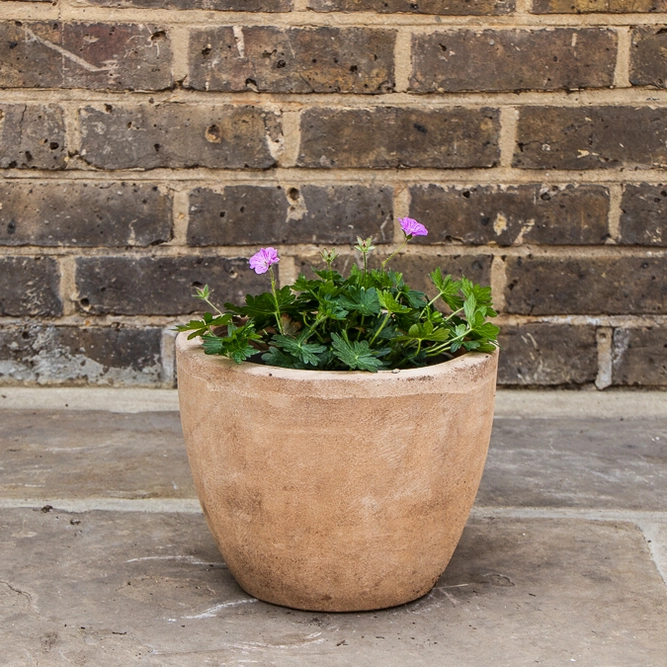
105,559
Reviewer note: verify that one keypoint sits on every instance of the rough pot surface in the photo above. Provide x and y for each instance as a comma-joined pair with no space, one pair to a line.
336,491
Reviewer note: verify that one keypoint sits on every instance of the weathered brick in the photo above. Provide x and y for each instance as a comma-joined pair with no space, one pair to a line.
79,55
29,286
221,5
46,354
442,7
644,215
56,213
490,60
605,6
511,215
238,215
591,138
292,60
246,214
648,64
547,355
389,137
586,285
32,136
640,357
161,285
179,136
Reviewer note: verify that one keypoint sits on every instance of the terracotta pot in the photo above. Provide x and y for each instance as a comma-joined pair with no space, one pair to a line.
335,491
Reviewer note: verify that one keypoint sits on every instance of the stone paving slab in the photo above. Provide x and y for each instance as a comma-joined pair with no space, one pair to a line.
80,454
117,589
532,462
585,463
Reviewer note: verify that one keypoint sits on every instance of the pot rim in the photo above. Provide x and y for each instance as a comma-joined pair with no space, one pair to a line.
468,361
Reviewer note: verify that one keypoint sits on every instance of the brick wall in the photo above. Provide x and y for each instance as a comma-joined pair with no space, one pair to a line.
149,146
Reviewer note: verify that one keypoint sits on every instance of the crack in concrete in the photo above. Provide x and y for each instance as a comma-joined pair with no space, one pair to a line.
17,590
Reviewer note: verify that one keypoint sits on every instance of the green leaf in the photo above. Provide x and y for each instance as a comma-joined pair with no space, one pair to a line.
460,330
204,326
416,298
328,275
448,289
469,308
264,304
389,303
302,284
299,348
276,357
488,330
357,355
361,300
381,279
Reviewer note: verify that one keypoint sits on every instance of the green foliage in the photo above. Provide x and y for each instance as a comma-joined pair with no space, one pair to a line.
369,321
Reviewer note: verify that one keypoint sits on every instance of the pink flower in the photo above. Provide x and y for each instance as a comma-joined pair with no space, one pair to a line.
261,261
411,227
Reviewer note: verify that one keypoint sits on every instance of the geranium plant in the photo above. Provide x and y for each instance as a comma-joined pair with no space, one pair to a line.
370,320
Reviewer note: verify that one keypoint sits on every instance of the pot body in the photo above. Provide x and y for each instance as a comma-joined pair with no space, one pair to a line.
335,491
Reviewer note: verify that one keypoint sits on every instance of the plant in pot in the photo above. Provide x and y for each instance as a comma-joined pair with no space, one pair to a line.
337,429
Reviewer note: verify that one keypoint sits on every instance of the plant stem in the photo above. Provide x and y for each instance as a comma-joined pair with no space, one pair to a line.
393,254
437,349
279,320
384,322
217,310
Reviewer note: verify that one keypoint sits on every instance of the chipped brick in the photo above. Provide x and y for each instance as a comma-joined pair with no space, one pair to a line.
586,285
389,137
179,136
29,286
292,60
83,214
547,355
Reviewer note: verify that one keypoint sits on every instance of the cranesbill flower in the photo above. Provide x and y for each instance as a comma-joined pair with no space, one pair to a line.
412,228
261,261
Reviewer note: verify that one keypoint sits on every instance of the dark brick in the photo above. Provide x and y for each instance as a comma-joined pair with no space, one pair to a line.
644,215
80,355
490,60
339,213
32,136
292,60
586,285
161,285
178,136
605,6
640,357
238,215
54,213
245,214
509,215
222,5
648,59
442,7
390,137
547,355
78,55
591,138
29,286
